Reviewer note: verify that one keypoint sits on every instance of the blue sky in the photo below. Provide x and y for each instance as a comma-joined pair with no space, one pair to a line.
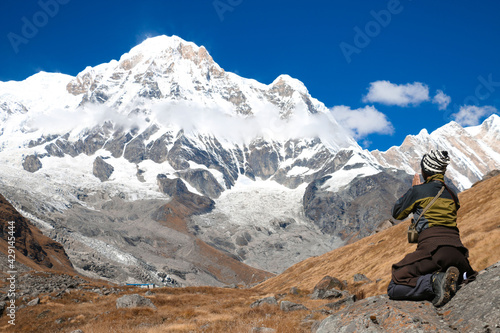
384,61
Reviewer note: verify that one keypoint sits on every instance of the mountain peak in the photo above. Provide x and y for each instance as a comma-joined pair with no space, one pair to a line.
492,121
287,80
158,44
166,46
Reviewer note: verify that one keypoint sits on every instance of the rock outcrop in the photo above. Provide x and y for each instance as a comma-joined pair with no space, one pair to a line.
101,169
176,189
475,308
32,284
356,210
203,181
32,163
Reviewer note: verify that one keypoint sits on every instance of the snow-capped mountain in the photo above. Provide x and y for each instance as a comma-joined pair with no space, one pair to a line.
474,151
163,163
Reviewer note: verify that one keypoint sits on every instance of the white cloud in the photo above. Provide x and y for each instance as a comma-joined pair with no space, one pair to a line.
441,99
195,118
266,123
389,93
471,115
58,121
363,121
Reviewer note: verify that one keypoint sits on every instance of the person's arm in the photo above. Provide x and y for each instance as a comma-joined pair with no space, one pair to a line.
405,205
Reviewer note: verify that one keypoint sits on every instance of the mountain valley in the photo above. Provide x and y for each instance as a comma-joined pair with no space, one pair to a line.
162,163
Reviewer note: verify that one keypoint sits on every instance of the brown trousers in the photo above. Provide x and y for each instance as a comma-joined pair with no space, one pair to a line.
438,248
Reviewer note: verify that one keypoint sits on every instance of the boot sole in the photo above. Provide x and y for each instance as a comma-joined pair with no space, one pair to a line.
449,287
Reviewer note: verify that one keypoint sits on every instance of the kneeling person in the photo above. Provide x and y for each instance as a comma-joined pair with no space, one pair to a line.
440,261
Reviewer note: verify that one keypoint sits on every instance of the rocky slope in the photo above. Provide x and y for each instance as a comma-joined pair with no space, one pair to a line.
475,308
33,250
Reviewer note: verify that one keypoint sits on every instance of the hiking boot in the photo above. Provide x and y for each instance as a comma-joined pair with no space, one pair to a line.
444,286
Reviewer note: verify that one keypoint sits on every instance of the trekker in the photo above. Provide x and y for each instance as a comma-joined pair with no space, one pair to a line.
433,271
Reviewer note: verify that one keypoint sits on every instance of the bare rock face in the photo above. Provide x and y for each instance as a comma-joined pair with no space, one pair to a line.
203,181
263,159
32,163
356,210
102,170
475,308
116,145
178,190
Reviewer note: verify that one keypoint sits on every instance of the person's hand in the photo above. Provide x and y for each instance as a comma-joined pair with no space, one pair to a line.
416,180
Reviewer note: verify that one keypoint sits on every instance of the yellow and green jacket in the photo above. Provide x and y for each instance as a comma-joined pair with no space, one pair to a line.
443,212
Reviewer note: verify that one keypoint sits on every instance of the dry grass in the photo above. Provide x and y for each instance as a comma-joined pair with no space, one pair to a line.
200,309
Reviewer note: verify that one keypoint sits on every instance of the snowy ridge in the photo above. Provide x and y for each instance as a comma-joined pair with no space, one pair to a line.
474,151
357,166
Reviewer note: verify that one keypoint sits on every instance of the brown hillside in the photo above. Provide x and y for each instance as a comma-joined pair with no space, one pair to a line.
33,249
219,264
373,256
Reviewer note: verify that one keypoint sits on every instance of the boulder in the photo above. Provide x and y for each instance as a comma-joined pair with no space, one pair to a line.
134,301
271,300
379,314
328,287
287,306
348,299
